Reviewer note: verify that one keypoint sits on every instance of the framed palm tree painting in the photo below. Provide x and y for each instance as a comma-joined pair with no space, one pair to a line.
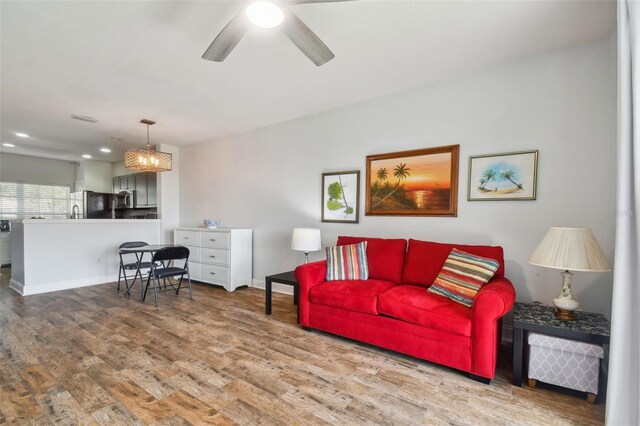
421,182
501,177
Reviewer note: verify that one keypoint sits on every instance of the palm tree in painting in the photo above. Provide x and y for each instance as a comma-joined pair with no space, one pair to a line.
382,174
488,175
400,172
509,175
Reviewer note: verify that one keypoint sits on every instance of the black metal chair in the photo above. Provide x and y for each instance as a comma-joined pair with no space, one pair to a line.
161,269
131,266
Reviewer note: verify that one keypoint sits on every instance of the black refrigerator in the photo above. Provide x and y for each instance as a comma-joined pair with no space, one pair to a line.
98,205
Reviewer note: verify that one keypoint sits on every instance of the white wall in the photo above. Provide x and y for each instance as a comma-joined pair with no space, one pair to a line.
25,169
169,194
96,175
561,103
118,169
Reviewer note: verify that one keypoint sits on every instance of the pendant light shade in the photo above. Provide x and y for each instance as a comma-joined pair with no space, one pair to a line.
147,159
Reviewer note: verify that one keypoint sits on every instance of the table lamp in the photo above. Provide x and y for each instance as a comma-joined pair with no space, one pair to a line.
573,249
306,240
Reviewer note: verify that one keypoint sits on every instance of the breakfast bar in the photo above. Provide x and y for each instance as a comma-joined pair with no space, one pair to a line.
60,254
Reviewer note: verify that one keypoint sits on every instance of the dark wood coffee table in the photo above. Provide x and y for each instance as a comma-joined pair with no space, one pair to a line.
287,278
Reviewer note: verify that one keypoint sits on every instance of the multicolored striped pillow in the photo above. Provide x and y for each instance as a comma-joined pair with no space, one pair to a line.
347,262
462,276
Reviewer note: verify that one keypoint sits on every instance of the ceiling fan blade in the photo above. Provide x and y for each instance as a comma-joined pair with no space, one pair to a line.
305,39
228,38
313,1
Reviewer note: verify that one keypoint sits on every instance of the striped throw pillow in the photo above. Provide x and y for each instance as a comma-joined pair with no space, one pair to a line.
462,276
347,262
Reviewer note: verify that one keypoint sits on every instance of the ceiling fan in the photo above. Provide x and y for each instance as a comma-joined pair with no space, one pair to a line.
268,14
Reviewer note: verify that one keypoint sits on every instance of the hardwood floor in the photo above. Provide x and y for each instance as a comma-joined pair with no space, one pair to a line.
92,356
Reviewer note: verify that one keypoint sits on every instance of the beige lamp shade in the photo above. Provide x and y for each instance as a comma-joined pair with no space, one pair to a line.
574,249
306,240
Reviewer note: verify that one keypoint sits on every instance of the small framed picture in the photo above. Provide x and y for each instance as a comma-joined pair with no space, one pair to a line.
341,197
503,177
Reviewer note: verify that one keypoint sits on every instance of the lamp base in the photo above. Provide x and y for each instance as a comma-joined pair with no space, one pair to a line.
564,315
565,302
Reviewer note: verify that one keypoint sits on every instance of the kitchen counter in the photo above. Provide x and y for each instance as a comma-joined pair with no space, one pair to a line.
90,221
59,254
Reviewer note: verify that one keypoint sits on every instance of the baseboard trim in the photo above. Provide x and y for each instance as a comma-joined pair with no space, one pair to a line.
507,334
28,290
275,287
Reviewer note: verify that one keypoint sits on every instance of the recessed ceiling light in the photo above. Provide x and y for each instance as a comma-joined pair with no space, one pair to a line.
264,14
86,156
8,145
22,135
107,150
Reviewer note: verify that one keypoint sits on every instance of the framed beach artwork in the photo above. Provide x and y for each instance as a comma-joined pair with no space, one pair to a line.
500,177
421,182
341,197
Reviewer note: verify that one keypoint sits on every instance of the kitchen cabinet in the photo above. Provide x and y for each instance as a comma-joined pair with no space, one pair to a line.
5,248
144,185
218,256
122,183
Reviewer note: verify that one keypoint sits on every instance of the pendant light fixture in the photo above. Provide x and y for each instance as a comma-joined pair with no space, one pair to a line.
147,159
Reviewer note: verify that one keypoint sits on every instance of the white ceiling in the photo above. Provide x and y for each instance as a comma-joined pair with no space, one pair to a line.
121,61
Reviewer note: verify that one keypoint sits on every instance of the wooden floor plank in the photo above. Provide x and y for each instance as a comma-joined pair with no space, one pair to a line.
93,356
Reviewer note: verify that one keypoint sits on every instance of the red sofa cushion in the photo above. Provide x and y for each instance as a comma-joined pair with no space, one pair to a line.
358,295
425,259
385,256
416,305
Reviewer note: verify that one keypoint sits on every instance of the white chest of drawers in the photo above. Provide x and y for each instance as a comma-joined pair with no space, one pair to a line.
219,256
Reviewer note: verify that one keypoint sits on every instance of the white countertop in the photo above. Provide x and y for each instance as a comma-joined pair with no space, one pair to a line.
86,221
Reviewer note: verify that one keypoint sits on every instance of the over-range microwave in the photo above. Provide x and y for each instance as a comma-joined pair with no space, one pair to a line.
125,199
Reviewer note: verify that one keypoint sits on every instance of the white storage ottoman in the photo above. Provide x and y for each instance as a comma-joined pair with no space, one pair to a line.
563,362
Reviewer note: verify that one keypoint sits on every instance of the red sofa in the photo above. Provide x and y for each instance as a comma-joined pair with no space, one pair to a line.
393,310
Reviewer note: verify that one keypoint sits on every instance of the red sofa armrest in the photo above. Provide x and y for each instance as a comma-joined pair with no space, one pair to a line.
308,276
493,301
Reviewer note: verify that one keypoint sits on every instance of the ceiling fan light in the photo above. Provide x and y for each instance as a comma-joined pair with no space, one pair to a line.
264,14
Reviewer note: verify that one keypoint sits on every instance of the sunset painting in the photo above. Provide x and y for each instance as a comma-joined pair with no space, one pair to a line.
420,182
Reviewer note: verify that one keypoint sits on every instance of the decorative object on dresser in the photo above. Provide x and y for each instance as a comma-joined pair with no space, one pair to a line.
503,177
211,223
341,197
573,249
559,347
306,240
221,256
421,182
147,159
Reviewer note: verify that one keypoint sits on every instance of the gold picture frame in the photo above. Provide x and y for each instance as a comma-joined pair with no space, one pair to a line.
509,176
421,182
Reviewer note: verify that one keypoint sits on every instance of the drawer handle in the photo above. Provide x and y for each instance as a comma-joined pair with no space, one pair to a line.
212,273
186,238
213,239
213,257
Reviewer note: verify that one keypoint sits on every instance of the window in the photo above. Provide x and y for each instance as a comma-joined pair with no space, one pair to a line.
26,200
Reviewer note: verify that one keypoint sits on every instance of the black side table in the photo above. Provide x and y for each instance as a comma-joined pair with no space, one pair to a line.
587,327
287,278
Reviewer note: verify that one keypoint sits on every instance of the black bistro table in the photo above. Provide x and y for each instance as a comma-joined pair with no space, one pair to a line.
149,248
540,318
287,278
